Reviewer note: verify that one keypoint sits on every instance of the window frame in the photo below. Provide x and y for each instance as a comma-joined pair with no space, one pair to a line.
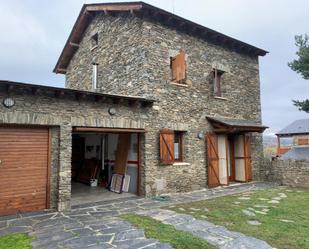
180,146
94,76
217,82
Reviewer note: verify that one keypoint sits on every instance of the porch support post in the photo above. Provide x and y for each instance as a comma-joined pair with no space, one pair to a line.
64,177
278,145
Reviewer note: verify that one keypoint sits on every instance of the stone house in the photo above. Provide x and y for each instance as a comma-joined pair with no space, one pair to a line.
296,136
171,104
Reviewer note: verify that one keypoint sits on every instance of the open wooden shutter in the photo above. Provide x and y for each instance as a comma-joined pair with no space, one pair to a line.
167,146
213,159
179,67
247,155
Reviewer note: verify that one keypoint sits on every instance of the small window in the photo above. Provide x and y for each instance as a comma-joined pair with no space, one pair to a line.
94,40
303,141
94,76
179,68
171,146
217,74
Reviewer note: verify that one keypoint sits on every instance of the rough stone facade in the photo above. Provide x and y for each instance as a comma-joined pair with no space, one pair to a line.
133,57
61,114
292,173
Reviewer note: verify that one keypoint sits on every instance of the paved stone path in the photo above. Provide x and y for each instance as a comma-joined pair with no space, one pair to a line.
216,235
96,225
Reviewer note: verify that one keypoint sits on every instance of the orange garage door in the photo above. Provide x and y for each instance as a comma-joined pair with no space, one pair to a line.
23,169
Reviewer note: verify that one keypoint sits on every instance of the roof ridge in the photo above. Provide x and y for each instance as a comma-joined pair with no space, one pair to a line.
150,11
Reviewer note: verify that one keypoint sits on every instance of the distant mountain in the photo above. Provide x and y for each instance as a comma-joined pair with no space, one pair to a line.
271,140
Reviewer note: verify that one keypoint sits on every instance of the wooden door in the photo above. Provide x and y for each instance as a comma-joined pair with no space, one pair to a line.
122,153
247,155
24,159
239,155
231,159
223,159
213,159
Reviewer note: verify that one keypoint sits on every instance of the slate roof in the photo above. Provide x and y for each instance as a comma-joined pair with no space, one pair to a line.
297,127
297,153
8,86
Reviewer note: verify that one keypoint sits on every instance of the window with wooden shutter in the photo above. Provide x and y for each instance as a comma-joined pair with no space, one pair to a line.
167,146
178,68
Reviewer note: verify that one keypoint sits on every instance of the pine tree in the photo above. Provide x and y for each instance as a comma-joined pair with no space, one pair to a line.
301,66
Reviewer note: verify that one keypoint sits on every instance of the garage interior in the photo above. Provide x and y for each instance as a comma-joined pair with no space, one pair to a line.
105,165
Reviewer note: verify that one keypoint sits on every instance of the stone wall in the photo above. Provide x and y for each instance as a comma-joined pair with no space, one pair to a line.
292,173
54,167
61,114
134,59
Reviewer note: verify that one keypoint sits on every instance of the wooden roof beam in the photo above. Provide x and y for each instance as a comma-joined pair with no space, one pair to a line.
9,88
35,90
80,96
75,45
132,103
59,94
61,70
113,7
99,98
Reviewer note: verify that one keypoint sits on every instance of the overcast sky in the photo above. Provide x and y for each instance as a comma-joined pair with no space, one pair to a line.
33,34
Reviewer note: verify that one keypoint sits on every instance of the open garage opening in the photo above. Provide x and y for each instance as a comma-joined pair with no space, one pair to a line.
105,165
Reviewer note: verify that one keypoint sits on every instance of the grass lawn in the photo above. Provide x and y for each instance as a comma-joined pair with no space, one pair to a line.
166,233
15,241
284,225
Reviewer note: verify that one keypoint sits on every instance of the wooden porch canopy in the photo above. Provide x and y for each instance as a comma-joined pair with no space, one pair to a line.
226,125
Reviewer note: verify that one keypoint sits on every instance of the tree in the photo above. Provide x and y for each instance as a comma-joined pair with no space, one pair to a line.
301,66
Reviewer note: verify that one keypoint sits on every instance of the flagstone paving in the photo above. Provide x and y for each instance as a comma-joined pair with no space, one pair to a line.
216,235
96,225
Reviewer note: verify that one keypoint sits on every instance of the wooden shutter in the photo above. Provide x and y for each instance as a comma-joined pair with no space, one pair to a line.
247,155
167,146
179,67
213,159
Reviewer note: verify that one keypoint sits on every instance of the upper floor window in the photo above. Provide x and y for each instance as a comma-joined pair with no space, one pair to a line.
179,68
217,77
94,40
94,76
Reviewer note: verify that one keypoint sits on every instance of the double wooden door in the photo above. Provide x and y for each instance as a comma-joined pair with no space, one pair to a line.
229,158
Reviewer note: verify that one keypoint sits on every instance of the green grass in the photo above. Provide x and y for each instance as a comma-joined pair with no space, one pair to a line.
15,241
166,233
279,234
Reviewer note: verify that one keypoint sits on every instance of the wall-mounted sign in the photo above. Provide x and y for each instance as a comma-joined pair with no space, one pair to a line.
8,102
